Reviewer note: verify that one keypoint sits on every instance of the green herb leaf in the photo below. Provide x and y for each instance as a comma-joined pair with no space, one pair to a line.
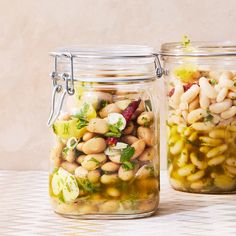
119,123
209,117
111,134
234,83
213,81
127,153
104,103
83,111
82,123
65,151
185,41
87,186
128,165
95,160
114,131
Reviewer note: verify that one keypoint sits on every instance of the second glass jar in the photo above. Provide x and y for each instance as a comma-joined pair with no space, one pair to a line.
201,122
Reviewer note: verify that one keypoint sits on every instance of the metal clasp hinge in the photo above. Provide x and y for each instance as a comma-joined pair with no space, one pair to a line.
159,70
57,88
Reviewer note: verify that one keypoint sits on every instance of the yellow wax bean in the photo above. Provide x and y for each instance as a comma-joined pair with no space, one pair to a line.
198,163
186,170
217,151
210,141
196,176
216,160
176,149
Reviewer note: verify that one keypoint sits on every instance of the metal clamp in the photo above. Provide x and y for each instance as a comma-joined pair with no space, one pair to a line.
57,89
159,69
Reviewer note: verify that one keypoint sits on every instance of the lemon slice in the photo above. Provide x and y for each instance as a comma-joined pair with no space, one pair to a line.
85,110
67,129
63,181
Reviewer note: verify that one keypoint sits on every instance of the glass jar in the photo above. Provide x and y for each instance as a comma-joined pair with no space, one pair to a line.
201,122
105,160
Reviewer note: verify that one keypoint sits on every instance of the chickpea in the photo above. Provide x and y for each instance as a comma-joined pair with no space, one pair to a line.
98,125
93,161
80,146
81,172
129,128
94,176
110,167
125,175
109,179
111,108
148,154
113,192
88,135
147,135
80,159
129,139
94,145
146,118
139,147
109,206
70,167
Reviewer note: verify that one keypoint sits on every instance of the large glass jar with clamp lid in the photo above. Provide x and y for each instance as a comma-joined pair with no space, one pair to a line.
105,120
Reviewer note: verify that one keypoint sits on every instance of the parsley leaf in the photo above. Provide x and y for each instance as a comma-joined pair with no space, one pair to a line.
65,151
114,131
128,165
213,81
127,153
104,103
87,186
185,41
209,117
95,160
82,123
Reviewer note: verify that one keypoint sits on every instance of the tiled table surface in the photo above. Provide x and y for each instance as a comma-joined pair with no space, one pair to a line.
25,210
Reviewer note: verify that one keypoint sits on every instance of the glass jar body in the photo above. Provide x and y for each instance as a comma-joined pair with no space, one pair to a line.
105,161
201,123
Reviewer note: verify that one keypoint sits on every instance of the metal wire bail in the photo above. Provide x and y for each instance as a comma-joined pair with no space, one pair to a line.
159,69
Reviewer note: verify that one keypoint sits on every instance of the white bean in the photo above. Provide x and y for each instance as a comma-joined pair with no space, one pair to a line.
217,151
190,94
231,161
179,90
222,95
217,88
194,104
229,113
196,115
216,160
196,176
206,88
204,100
231,95
183,106
176,149
225,81
201,126
186,170
226,122
221,106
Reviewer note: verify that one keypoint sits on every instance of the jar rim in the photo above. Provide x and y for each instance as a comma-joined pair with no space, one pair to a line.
104,51
199,48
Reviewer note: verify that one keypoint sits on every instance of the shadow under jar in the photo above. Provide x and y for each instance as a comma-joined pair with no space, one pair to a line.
105,161
201,122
